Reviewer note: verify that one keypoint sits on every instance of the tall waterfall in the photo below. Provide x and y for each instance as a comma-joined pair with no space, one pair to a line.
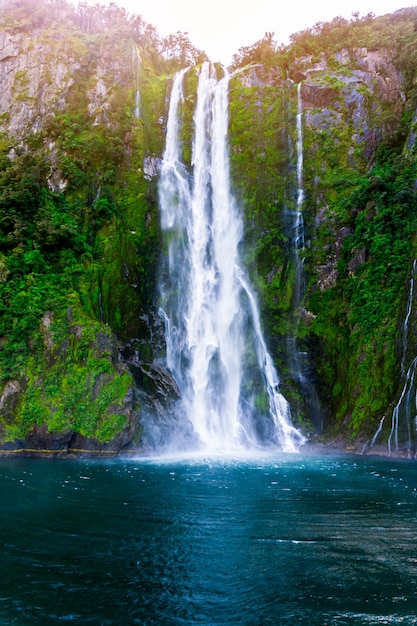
300,160
215,347
137,65
298,218
298,361
294,227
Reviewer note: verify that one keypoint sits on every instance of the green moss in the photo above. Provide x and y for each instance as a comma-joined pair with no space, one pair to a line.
88,257
73,386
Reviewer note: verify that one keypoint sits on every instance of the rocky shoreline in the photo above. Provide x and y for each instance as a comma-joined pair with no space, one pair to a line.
327,448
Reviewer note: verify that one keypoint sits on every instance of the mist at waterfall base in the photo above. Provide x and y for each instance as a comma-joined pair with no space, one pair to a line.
215,349
289,540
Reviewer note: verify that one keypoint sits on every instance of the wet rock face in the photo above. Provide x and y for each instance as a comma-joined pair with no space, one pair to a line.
38,72
158,386
149,396
372,68
354,87
40,440
83,398
9,399
259,76
318,96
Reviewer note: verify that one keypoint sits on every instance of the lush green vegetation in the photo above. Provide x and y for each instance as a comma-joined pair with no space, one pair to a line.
78,218
359,207
79,234
359,318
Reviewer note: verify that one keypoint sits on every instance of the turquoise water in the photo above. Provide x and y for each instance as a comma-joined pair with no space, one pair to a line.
281,540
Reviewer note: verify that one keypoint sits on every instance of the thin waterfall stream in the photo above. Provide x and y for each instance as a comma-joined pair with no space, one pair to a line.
296,357
299,365
300,164
137,65
404,414
215,346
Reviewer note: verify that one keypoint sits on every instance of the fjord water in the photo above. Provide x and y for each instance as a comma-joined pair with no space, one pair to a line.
283,540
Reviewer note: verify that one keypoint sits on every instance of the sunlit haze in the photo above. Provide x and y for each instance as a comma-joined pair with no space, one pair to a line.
221,27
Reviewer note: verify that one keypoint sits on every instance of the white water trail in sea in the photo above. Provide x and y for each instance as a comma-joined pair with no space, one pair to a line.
215,346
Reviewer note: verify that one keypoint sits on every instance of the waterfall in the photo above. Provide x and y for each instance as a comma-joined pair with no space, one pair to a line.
137,64
298,218
298,361
406,408
300,151
404,415
295,232
215,347
137,104
407,316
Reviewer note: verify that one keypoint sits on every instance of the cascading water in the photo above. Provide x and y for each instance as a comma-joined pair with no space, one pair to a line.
407,316
298,230
404,415
137,64
215,347
300,158
298,361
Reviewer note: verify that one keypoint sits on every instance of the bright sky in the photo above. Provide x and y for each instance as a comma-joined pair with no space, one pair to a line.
221,27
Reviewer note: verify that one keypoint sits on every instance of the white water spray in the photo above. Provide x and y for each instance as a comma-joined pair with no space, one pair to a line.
215,347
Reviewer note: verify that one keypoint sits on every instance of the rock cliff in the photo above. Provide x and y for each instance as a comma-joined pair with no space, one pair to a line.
83,110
